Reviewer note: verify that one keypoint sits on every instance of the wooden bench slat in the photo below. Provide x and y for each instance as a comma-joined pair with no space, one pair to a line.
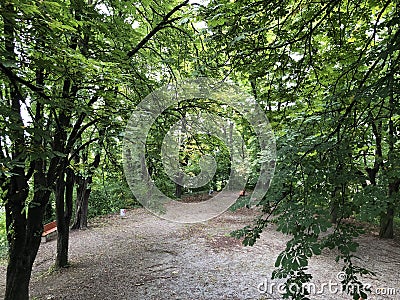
50,226
48,229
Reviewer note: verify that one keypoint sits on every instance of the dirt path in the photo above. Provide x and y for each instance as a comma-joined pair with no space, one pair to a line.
144,257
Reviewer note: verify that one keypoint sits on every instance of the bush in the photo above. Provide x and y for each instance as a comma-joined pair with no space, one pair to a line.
110,197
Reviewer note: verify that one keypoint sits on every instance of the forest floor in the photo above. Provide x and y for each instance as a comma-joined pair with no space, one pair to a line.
144,257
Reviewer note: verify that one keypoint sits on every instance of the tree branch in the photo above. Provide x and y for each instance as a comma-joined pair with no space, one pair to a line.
165,21
15,78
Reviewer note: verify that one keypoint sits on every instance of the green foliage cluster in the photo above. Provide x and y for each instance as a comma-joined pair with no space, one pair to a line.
195,146
70,72
3,236
109,197
327,74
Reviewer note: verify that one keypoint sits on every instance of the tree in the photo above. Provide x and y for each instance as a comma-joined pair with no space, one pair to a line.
61,71
326,73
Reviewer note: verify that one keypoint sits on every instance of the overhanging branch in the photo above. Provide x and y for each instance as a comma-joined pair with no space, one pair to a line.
165,21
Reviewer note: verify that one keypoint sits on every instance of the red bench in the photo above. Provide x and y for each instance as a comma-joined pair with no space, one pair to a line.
48,230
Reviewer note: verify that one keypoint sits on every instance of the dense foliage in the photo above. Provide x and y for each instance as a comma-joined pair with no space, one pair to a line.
325,72
70,71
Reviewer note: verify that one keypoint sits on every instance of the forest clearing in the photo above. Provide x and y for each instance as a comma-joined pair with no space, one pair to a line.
141,256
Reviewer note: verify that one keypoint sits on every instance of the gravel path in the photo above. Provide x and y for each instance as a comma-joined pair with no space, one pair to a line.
144,257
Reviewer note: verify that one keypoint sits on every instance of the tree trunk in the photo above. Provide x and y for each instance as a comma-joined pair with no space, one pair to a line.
334,211
386,223
18,269
82,204
178,190
334,206
18,278
64,191
24,236
83,194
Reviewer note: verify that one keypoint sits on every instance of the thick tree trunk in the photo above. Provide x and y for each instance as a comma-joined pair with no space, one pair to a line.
63,233
24,235
18,269
62,246
64,193
18,278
